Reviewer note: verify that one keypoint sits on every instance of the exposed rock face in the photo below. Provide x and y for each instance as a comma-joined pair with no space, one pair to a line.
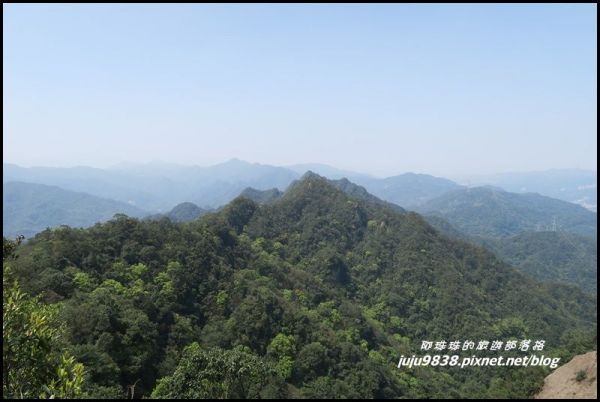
568,381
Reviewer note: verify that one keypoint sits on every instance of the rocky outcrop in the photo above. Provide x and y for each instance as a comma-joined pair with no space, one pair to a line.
574,380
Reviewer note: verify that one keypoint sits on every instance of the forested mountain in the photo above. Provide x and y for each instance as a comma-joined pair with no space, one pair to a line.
573,185
184,212
345,185
315,294
545,256
28,208
492,212
353,190
552,256
445,228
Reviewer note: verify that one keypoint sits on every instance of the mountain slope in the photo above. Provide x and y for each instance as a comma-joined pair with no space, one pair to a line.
360,193
545,256
28,208
491,212
157,186
552,256
313,212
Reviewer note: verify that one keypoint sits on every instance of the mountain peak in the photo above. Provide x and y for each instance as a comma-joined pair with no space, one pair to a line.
311,175
328,171
312,185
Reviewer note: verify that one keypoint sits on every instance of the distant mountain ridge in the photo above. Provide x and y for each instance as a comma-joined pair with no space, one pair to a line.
156,186
328,171
408,189
574,185
490,212
28,208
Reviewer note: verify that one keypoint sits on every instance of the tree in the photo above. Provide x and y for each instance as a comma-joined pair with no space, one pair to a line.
32,364
282,350
218,373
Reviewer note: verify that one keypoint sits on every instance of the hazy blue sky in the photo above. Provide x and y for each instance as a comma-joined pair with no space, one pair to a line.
385,89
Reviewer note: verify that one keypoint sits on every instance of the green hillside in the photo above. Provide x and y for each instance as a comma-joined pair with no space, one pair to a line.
316,294
545,256
552,256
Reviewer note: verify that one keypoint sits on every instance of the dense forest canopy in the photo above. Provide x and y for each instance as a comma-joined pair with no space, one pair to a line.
315,294
552,256
548,256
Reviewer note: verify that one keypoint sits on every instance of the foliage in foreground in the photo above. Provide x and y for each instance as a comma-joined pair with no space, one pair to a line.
33,365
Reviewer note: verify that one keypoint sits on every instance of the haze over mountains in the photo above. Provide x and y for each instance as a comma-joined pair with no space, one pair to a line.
29,208
488,216
573,185
159,187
